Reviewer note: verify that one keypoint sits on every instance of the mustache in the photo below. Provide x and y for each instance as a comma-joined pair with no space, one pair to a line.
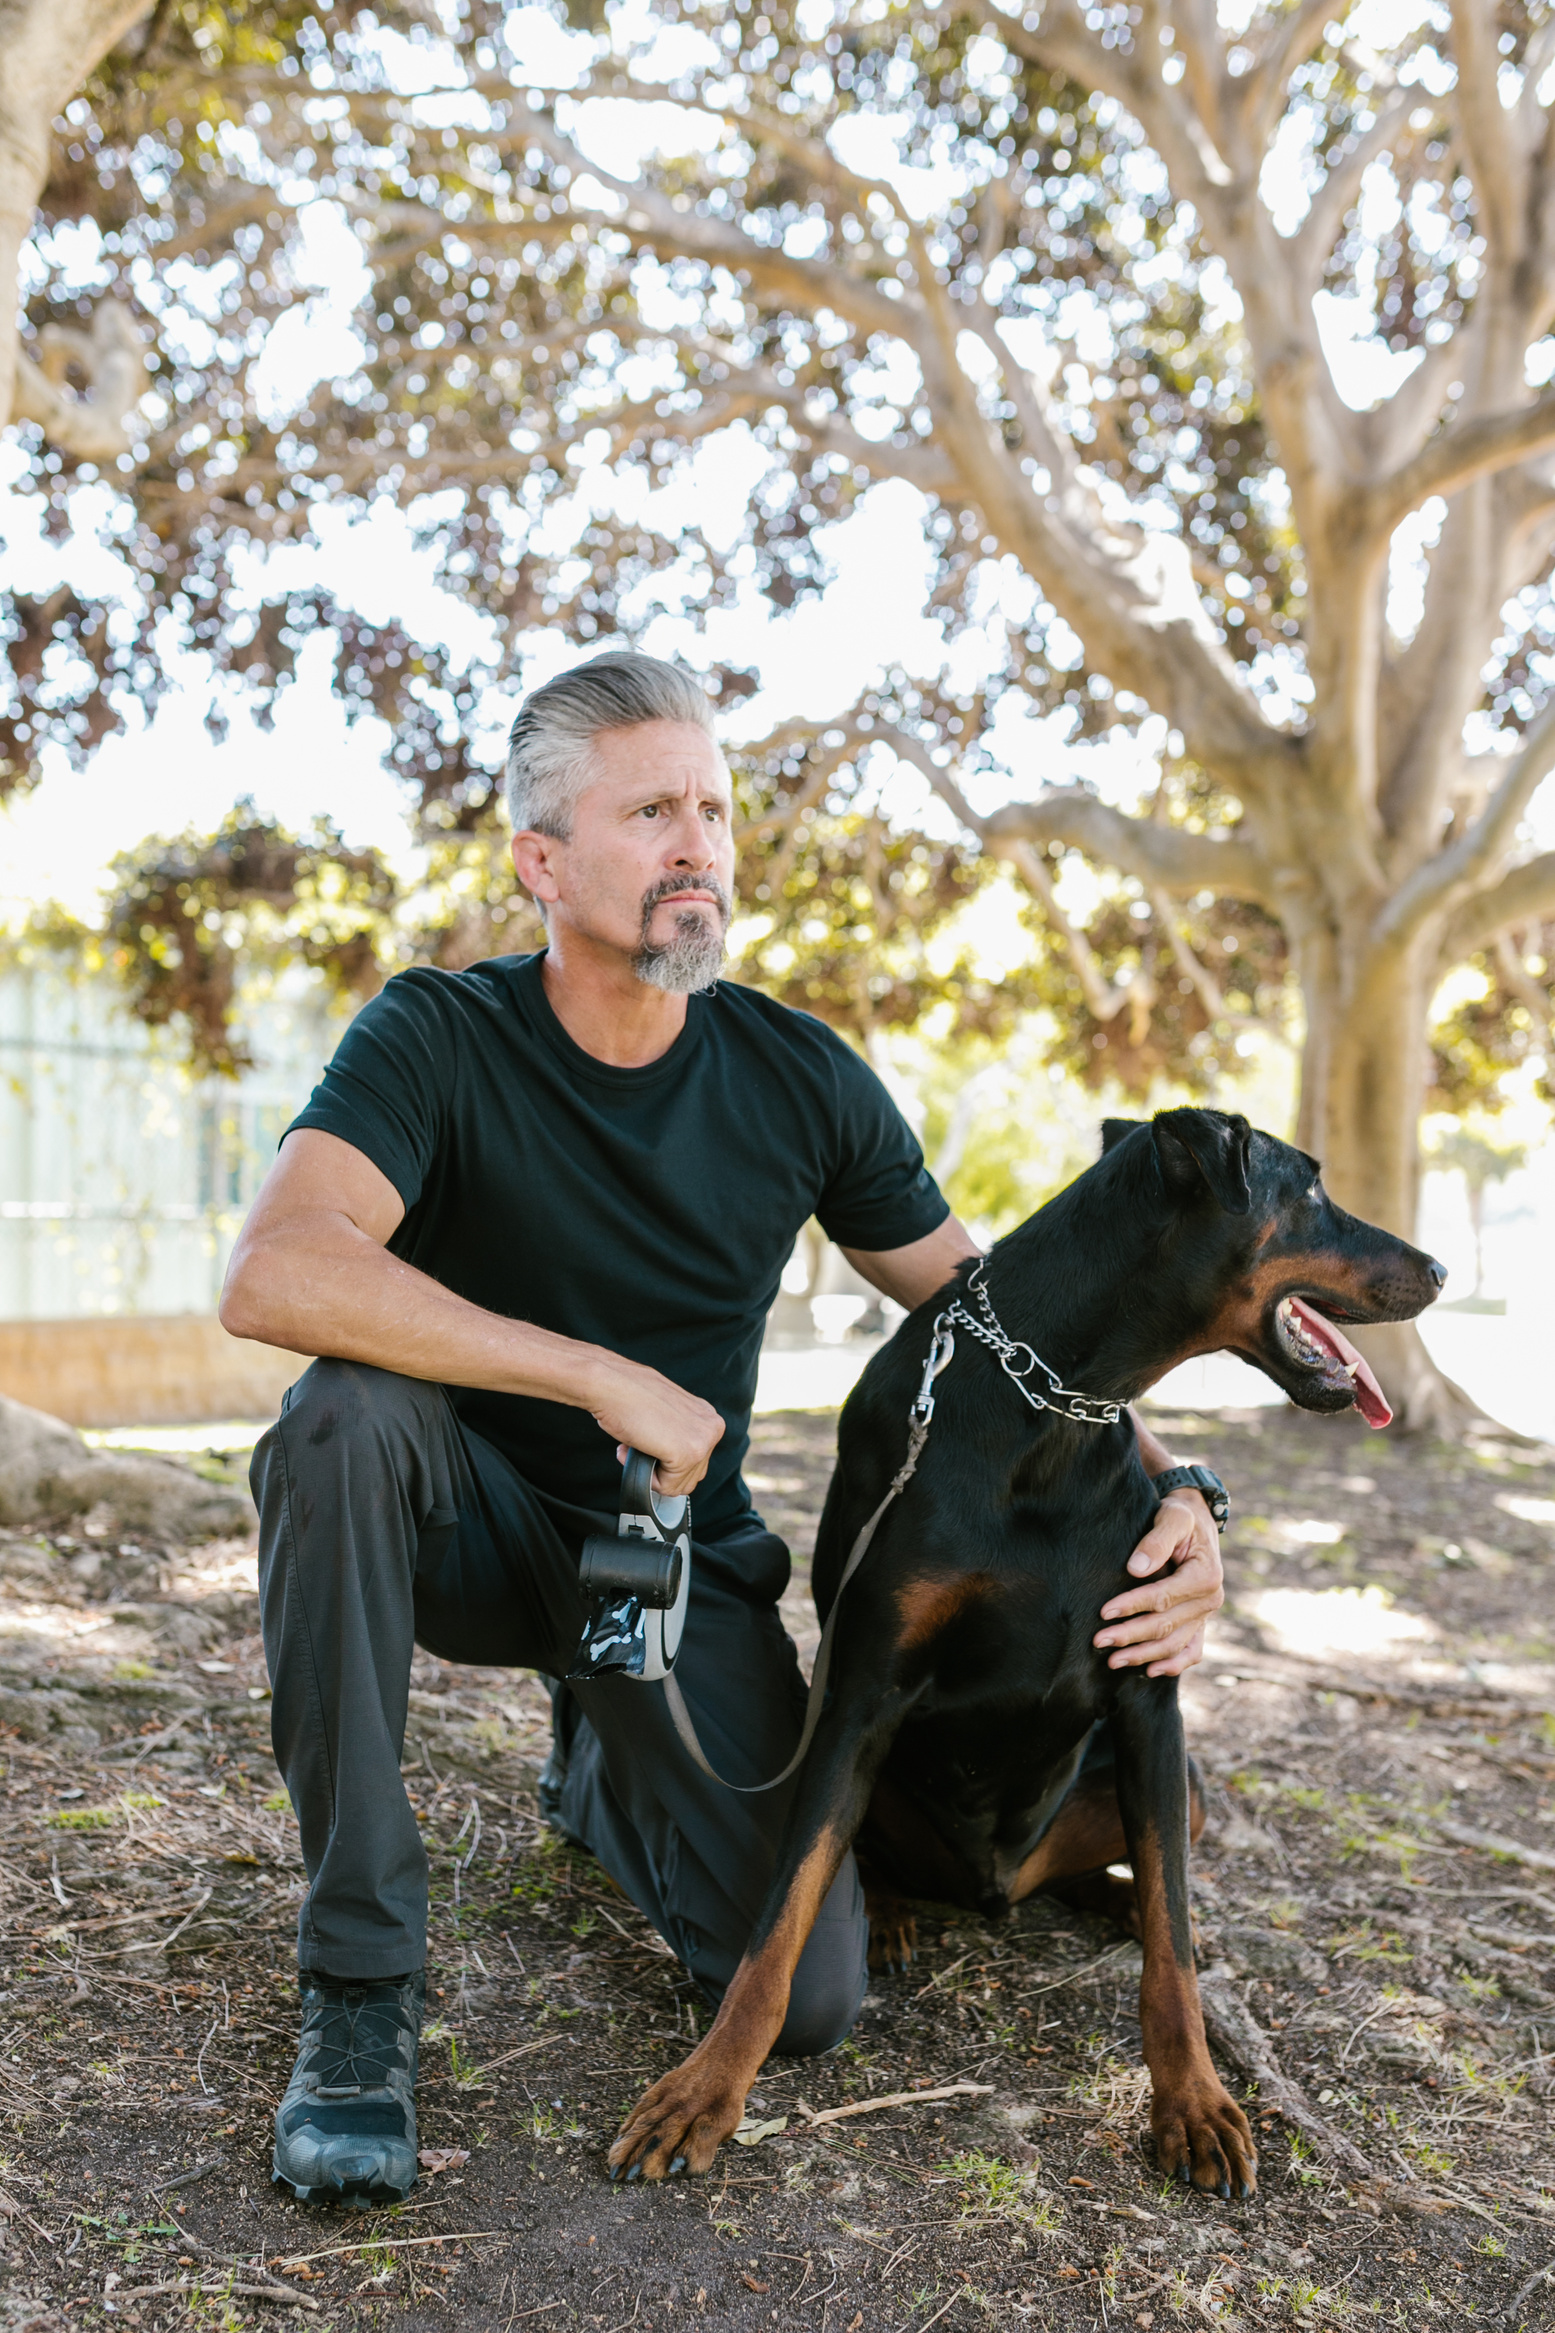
676,886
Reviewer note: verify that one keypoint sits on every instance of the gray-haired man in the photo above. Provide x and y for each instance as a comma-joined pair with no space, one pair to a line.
537,1211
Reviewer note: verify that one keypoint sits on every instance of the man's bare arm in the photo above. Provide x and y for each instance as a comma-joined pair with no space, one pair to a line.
311,1272
910,1275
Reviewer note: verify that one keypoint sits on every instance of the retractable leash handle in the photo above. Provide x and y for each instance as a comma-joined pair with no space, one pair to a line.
639,1582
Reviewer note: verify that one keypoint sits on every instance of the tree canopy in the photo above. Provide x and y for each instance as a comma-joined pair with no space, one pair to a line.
1075,278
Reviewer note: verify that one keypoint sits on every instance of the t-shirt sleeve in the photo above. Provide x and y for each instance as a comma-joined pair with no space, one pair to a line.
388,1088
880,1194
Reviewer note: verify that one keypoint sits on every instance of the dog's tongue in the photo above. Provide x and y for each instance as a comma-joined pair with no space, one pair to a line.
1370,1399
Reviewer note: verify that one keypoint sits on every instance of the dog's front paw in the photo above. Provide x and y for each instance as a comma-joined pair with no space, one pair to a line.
893,1931
1202,2138
681,2122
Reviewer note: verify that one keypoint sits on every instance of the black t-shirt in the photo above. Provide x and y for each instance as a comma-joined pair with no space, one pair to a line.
650,1211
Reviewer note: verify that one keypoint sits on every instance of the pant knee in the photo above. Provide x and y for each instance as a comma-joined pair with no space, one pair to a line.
341,1401
828,1990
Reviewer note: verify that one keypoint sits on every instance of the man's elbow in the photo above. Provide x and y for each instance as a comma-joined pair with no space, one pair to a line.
246,1304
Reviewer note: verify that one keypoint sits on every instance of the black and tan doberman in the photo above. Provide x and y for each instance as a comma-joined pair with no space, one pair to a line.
974,1740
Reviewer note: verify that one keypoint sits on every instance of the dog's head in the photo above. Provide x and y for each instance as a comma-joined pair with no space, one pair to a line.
1262,1262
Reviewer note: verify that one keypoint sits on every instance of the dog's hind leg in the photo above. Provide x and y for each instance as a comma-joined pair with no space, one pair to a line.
1201,2134
1086,1836
893,1924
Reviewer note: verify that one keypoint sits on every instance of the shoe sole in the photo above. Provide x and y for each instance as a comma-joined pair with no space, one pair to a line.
348,2198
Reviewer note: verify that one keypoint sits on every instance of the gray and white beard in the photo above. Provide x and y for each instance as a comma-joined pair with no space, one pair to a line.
693,957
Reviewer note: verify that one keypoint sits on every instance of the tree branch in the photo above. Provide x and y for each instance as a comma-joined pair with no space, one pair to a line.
50,47
1444,880
811,283
1459,454
1288,43
1168,856
93,427
1524,895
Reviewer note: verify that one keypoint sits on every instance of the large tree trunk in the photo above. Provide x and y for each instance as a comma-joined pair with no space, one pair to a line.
1368,1052
47,48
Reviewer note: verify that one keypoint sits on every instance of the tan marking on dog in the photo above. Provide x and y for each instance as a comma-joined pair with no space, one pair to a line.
927,1606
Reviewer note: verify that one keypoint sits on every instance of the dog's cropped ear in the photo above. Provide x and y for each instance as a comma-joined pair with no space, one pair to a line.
1114,1130
1205,1147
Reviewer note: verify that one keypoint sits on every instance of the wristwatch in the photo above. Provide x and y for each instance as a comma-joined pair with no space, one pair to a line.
1198,1478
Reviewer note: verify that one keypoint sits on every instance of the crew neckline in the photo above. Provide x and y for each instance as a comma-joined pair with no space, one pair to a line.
586,1064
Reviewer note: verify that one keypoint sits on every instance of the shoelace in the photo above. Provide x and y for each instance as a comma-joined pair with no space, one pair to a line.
364,2056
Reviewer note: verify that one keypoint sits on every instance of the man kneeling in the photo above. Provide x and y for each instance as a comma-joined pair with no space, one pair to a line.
535,1213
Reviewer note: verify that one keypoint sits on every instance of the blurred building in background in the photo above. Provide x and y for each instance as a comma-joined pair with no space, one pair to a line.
123,1183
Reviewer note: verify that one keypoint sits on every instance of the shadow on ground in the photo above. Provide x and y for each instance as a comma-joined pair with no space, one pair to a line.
1375,1892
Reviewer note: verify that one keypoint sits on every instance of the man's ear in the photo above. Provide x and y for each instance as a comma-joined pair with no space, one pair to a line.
1205,1148
534,857
1113,1131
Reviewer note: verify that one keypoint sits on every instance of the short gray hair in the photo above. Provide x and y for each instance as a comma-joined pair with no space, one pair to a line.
551,743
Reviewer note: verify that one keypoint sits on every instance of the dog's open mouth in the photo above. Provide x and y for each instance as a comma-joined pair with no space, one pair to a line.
1314,1344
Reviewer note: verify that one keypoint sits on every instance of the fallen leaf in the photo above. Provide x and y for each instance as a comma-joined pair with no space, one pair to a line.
435,2159
1067,2273
855,2322
753,2285
751,2134
1077,2181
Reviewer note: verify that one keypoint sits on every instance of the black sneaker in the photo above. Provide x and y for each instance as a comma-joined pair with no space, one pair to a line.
346,2130
566,1717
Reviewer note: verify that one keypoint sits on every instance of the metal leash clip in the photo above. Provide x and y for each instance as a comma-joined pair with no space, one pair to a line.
941,1353
640,1581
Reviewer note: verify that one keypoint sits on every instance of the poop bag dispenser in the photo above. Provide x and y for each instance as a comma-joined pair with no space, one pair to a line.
638,1582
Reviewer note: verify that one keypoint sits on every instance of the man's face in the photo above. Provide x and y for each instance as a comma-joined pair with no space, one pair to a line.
648,868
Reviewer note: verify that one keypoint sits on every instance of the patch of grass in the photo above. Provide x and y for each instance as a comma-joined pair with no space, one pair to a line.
991,2190
464,2070
82,1818
278,1803
132,1672
1491,2247
1432,2159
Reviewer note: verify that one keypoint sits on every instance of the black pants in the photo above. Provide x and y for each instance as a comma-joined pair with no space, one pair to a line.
384,1522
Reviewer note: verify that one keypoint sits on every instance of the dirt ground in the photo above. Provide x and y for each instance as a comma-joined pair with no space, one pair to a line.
1375,1892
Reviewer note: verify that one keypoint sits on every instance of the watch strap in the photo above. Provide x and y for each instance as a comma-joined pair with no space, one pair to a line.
1197,1478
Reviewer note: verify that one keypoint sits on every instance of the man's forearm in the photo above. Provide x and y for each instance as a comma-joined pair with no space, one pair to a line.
1157,1458
330,1290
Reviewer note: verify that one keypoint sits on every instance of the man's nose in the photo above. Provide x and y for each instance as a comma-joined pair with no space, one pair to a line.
692,842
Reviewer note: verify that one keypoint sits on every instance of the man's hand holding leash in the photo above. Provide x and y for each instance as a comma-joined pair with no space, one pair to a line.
644,1411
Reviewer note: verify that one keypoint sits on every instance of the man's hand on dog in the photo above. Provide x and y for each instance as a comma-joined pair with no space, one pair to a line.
1160,1627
